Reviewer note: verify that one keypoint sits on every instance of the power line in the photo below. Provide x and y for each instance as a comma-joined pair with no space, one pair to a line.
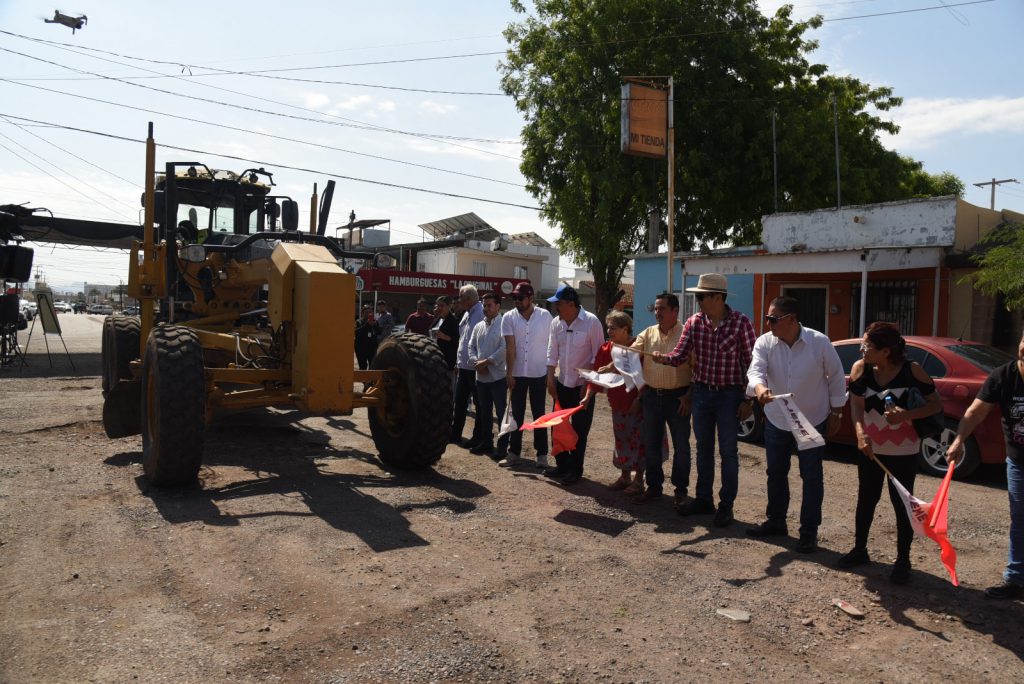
59,180
260,133
281,166
345,123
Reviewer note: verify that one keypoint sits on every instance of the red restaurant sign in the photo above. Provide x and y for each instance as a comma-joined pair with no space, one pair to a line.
388,280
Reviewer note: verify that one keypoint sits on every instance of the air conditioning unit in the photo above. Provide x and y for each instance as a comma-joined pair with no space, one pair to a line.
501,243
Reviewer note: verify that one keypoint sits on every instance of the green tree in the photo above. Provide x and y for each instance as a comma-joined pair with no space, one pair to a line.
1001,265
732,67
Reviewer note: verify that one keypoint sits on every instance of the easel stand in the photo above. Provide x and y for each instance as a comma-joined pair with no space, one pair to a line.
48,314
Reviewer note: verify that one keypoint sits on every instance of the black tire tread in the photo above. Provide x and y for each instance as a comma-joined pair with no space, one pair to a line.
120,347
425,435
172,453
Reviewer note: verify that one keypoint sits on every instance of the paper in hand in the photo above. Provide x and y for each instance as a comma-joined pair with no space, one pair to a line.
606,380
629,362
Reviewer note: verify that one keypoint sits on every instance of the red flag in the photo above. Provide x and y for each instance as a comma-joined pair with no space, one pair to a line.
552,419
930,519
563,437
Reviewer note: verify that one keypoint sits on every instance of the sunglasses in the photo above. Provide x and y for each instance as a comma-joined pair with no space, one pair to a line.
701,296
775,319
520,298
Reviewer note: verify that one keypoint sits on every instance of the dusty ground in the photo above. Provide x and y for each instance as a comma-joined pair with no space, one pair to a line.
301,559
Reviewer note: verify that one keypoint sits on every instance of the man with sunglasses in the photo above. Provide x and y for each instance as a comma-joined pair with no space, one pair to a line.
526,329
721,340
793,359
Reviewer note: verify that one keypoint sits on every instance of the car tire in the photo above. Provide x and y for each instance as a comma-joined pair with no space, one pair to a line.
931,459
751,430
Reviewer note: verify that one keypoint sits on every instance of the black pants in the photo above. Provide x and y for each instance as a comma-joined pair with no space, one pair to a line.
571,462
537,390
465,387
869,491
365,356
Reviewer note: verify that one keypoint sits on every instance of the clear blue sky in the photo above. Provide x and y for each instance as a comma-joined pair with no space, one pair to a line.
957,68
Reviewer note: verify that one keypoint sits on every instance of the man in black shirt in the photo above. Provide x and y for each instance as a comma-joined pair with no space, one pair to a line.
446,330
1004,388
366,338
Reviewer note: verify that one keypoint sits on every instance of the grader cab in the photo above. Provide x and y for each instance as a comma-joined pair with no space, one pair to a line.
239,310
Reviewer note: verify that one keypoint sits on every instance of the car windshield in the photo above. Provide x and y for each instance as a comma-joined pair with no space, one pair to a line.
984,357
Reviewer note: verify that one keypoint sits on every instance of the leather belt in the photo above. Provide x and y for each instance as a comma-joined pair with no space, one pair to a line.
719,388
673,392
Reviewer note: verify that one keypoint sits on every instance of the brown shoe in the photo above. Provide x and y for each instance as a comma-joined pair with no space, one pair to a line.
619,484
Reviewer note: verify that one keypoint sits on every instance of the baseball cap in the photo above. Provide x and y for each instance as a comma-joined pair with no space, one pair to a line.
565,293
522,290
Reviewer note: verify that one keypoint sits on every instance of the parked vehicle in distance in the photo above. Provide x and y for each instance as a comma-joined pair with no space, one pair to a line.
29,309
102,309
959,369
130,311
78,307
62,307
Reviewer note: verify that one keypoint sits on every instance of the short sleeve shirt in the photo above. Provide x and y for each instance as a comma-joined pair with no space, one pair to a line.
1005,387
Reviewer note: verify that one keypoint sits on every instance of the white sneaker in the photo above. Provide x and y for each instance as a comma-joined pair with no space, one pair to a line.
542,460
510,460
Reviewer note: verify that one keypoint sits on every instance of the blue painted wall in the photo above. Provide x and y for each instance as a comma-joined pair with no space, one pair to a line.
650,280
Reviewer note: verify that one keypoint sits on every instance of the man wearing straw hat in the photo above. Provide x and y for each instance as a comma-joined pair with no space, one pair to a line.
722,341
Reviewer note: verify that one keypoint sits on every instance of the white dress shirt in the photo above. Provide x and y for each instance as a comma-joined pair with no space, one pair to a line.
810,370
531,338
574,345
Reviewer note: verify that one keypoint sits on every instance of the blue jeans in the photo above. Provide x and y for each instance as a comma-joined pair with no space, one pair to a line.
716,410
492,403
1015,487
778,446
660,409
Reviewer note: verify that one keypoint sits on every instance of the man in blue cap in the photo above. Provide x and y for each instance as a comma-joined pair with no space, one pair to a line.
576,336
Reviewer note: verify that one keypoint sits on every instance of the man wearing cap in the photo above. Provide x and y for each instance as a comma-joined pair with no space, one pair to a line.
576,336
420,320
465,384
722,341
526,330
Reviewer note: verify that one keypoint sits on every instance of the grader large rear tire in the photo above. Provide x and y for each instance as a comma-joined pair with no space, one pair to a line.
119,346
411,430
173,406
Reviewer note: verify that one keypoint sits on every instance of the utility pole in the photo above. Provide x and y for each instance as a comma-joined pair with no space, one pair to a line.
994,183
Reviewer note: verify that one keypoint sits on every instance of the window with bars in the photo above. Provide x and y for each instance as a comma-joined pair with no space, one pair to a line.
887,300
480,268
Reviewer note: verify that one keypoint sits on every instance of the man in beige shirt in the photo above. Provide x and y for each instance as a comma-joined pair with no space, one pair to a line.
665,400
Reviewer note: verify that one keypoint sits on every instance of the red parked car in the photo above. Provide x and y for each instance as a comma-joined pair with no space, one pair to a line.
959,369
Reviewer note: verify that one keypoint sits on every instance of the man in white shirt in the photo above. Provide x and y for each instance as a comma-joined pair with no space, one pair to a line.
576,336
526,330
487,354
793,359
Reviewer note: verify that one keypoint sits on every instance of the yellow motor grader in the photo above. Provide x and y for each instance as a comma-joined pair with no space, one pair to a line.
238,310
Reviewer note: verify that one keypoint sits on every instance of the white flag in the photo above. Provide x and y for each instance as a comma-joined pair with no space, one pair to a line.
629,363
807,437
606,380
508,423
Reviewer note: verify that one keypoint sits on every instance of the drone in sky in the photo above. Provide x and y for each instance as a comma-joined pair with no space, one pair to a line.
73,23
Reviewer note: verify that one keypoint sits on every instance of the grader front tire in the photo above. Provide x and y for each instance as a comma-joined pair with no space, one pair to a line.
173,406
120,344
411,430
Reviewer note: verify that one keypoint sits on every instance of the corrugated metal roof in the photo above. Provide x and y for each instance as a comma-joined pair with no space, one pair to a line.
469,225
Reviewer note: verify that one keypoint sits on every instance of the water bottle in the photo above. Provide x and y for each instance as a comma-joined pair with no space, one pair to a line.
890,403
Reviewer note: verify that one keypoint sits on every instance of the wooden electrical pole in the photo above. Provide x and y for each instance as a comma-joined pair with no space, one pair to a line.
994,183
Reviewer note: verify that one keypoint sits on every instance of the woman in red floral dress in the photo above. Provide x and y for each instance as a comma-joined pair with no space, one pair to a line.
627,418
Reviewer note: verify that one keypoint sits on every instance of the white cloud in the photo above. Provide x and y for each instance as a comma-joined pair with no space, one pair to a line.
436,107
315,100
386,105
924,122
353,102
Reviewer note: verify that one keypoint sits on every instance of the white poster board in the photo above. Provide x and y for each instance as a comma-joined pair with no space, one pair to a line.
47,314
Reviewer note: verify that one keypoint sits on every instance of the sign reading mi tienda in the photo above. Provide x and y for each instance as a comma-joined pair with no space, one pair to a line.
644,119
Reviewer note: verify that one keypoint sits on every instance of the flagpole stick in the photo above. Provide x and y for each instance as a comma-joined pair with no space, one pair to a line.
628,348
880,465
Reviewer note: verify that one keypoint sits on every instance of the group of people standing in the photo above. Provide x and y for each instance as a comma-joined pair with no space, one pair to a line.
705,373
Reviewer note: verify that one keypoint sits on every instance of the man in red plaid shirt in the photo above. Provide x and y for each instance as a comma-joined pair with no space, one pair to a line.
722,340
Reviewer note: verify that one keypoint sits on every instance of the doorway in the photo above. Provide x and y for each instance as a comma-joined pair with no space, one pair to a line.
813,305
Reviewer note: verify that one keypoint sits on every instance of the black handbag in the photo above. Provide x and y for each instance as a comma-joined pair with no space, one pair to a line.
929,427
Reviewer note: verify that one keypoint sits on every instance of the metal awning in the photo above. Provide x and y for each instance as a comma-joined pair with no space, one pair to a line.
468,226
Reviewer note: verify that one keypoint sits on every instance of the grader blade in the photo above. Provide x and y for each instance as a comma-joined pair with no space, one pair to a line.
122,415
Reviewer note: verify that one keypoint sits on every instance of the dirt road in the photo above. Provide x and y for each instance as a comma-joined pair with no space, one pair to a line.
301,559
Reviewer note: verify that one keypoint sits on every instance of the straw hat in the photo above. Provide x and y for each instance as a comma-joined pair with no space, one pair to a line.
714,283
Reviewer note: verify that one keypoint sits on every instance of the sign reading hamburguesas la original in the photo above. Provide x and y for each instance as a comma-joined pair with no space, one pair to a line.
644,120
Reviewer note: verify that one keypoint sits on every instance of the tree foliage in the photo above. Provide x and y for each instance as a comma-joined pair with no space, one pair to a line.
1001,265
732,68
